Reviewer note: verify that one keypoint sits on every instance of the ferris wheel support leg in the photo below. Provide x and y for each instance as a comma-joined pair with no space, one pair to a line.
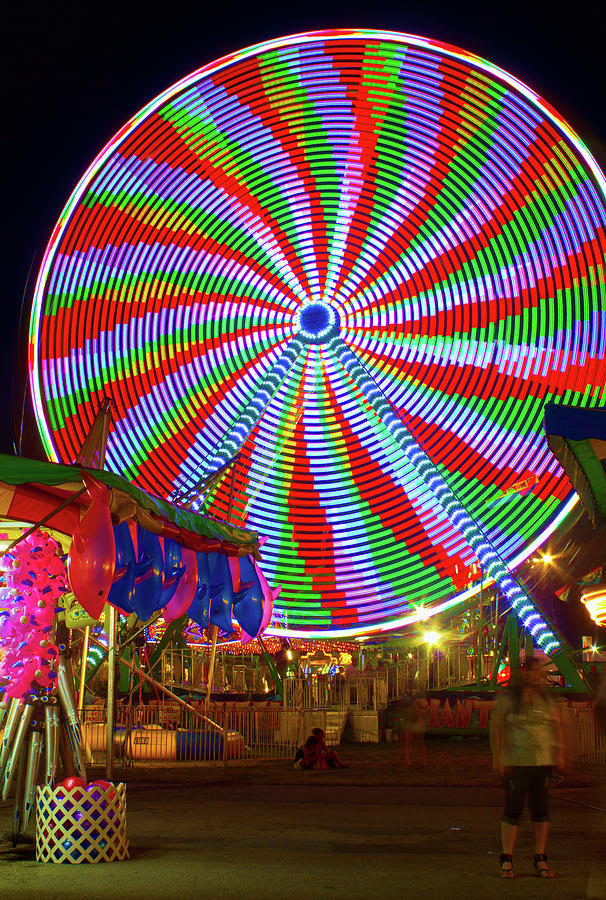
522,603
568,667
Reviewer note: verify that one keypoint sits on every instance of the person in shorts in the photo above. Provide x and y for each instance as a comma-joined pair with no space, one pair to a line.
526,743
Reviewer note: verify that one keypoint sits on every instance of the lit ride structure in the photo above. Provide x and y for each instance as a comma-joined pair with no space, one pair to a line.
345,270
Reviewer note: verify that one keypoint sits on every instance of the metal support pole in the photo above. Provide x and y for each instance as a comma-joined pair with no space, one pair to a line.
480,661
232,486
514,644
211,666
110,613
277,680
83,671
44,520
164,690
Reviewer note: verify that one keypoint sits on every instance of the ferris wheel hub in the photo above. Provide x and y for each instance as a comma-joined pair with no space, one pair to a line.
317,322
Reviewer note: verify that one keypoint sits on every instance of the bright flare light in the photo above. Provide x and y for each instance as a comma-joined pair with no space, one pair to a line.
431,637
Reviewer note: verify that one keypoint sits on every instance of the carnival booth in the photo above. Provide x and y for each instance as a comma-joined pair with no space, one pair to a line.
129,554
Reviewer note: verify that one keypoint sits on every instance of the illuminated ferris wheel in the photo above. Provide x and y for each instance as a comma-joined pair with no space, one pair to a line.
351,268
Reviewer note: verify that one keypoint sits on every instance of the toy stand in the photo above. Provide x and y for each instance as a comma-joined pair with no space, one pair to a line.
82,825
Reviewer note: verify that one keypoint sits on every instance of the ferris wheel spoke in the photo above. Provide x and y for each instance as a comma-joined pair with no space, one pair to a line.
517,238
239,125
375,198
233,236
439,287
430,209
439,384
490,561
221,177
256,404
280,134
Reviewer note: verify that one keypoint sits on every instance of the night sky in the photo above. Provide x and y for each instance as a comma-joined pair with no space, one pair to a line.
76,73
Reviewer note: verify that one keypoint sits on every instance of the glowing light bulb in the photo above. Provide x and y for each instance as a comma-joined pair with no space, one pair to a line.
431,637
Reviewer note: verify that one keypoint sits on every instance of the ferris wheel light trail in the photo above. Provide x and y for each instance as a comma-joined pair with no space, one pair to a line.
394,193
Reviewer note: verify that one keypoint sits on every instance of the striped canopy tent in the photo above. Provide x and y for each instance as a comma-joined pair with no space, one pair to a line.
33,491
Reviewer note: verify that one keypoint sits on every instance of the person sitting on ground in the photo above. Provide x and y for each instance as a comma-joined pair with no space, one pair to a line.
329,756
314,754
309,756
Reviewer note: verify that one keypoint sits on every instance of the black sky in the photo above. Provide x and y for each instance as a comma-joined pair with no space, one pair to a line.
76,73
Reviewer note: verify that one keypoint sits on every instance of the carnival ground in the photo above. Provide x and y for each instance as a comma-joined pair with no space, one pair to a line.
378,829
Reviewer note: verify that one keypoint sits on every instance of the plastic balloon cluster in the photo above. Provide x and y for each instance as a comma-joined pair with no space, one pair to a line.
35,579
152,574
136,571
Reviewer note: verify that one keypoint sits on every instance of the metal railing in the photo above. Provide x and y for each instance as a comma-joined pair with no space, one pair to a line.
320,692
424,669
453,666
185,668
170,732
585,740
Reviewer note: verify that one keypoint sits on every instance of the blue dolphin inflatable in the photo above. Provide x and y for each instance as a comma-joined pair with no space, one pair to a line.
172,571
148,575
248,605
221,592
122,591
199,609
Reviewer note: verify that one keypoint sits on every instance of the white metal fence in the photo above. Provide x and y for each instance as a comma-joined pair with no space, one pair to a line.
171,732
585,740
231,732
320,691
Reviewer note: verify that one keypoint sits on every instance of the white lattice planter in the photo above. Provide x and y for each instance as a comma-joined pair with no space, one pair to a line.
81,825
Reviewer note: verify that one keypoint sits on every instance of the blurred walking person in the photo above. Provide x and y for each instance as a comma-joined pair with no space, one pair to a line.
415,723
526,743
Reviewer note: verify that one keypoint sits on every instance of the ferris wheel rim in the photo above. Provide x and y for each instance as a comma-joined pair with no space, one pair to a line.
224,63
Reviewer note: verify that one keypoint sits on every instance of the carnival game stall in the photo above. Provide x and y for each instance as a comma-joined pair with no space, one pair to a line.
128,554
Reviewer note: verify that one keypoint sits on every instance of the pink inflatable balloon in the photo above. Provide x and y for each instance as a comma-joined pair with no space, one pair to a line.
35,579
92,555
183,597
268,595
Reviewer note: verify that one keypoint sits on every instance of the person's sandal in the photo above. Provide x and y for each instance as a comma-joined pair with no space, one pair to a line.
506,860
540,864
